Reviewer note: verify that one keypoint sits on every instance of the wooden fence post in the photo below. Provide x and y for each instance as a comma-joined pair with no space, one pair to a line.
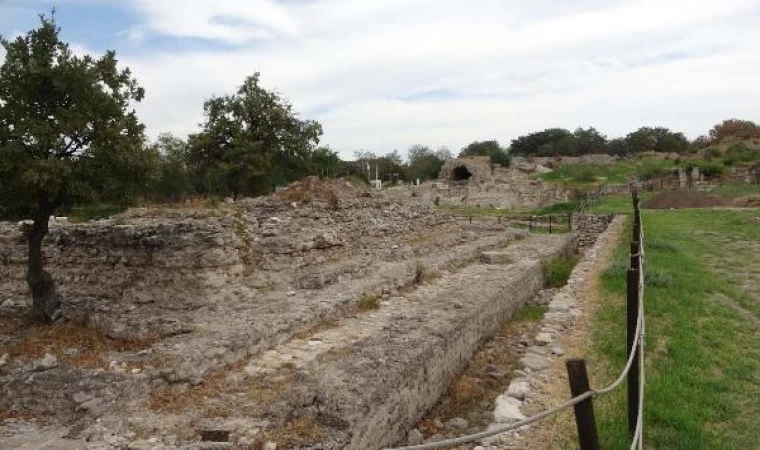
584,411
632,309
550,224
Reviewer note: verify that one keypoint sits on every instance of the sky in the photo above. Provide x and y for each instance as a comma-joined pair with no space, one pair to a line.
388,74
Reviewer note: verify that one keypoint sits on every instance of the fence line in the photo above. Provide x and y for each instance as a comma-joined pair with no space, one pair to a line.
633,370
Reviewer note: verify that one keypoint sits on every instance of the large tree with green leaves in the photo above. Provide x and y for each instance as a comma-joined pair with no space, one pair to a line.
64,124
251,141
491,149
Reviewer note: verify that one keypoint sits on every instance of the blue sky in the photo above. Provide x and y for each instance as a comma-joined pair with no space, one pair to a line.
384,75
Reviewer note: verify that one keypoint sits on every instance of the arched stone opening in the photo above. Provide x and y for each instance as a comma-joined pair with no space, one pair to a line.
460,173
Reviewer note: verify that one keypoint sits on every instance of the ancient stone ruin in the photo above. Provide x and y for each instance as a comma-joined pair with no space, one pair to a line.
320,317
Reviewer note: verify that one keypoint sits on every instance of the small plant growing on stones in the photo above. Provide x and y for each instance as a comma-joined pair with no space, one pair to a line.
557,272
423,274
368,301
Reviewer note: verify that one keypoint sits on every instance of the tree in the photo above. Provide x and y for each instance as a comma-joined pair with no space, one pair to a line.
742,129
542,143
62,117
174,179
251,141
590,141
641,140
491,149
424,164
325,162
658,139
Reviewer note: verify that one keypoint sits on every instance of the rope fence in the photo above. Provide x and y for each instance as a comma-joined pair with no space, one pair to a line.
583,395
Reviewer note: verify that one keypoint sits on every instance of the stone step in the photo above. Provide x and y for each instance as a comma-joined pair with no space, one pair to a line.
366,381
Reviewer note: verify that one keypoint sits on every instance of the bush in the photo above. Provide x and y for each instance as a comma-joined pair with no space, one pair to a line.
423,274
557,272
740,153
586,175
367,301
711,169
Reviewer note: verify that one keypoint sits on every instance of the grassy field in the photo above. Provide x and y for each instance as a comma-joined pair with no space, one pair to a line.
584,175
703,331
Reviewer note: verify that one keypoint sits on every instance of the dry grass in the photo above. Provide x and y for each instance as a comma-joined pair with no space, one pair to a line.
298,433
309,190
218,396
367,302
311,330
424,274
35,339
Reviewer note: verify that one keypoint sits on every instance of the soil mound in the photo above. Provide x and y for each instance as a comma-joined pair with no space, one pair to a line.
749,201
684,199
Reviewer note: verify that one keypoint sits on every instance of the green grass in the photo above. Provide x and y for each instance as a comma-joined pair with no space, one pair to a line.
93,212
703,342
586,174
529,313
557,271
737,190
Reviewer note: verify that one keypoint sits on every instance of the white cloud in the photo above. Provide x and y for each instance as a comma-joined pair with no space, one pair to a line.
370,71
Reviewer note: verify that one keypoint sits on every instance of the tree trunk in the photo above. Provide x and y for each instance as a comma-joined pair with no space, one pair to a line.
45,302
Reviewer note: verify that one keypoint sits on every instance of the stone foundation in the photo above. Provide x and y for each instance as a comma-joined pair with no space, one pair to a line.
589,227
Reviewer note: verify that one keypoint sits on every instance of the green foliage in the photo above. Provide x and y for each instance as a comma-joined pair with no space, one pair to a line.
557,271
66,132
703,349
740,153
529,313
92,211
709,169
175,179
325,162
492,149
652,170
251,141
424,163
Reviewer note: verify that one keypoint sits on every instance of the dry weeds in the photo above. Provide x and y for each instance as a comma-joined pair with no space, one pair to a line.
72,343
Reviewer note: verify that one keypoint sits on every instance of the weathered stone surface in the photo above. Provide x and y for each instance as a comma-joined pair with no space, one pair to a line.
502,257
534,362
543,338
507,410
518,389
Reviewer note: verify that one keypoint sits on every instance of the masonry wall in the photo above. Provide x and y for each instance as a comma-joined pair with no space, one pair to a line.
98,264
589,227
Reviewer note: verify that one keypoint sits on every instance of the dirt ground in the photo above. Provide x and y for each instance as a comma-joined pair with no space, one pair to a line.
684,199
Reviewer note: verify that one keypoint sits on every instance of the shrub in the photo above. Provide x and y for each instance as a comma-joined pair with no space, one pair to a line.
739,153
423,274
557,272
711,169
367,301
529,313
586,175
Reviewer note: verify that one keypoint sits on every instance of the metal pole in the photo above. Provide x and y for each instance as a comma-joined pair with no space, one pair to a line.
584,411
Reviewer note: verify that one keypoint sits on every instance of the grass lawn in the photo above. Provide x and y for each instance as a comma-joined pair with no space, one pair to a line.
589,174
703,331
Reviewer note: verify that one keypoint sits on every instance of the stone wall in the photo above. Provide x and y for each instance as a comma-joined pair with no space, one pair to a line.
100,266
589,227
479,168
